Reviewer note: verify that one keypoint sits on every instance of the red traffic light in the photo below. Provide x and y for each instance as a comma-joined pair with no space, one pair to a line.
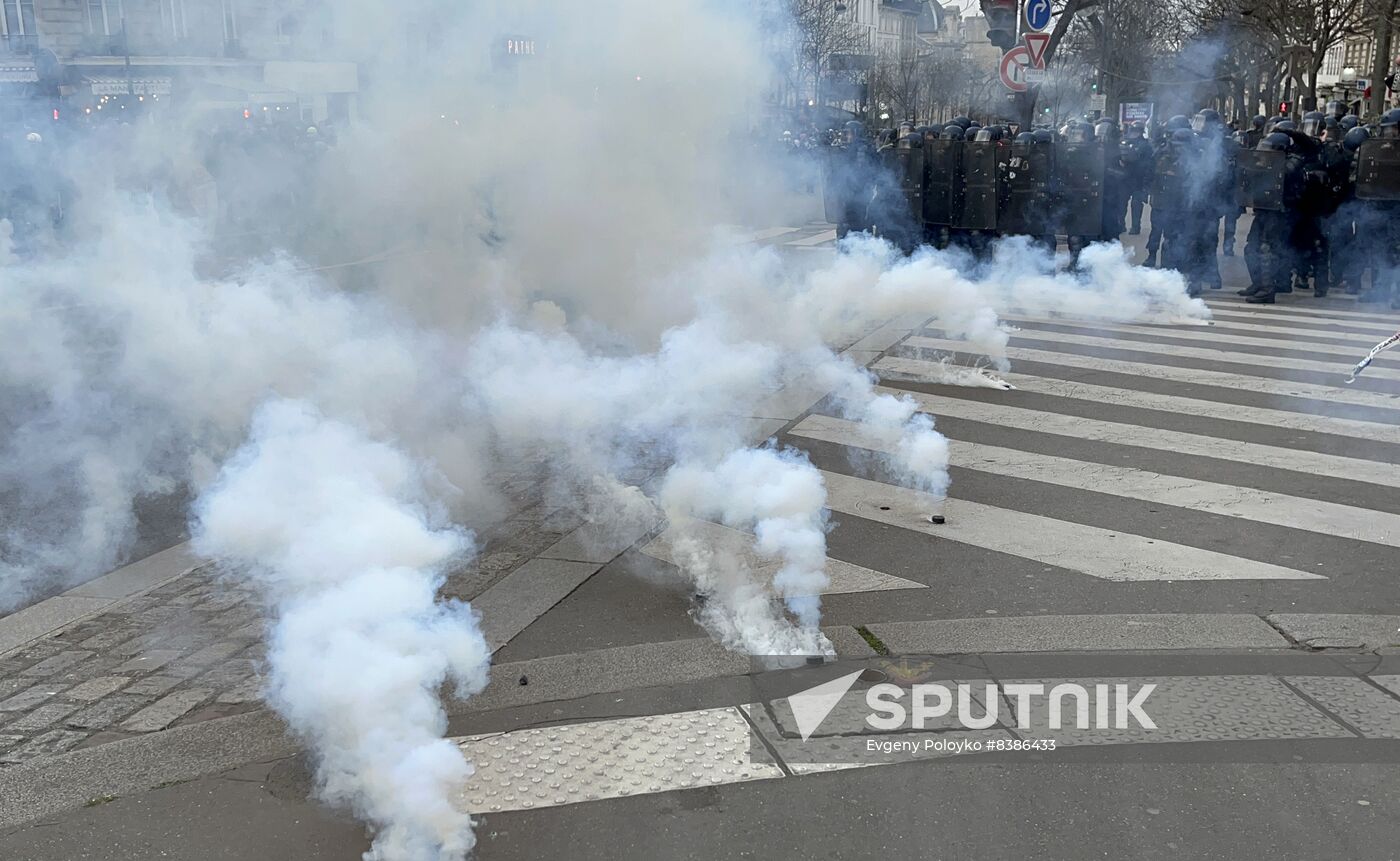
1284,108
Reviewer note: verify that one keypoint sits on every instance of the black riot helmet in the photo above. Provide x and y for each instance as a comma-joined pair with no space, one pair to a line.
971,128
1133,131
1079,133
1044,136
1389,126
1313,125
910,141
1025,138
1275,142
886,136
1285,126
922,131
1337,109
1178,122
1182,137
990,133
1106,131
1355,138
855,131
1348,122
962,122
1258,122
953,132
1205,119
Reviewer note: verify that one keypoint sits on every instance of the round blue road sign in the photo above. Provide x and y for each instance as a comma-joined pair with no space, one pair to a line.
1038,14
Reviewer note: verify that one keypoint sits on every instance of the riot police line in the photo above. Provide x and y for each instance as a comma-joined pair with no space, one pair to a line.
1321,192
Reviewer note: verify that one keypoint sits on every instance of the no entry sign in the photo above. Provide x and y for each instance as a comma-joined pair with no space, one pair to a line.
1013,68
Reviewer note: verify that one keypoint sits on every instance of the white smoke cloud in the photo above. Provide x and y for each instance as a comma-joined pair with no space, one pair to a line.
516,270
337,531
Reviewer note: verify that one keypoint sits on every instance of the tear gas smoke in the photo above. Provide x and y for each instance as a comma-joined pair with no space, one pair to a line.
538,284
336,530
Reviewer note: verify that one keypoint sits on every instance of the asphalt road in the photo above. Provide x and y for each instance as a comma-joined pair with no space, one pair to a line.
1205,471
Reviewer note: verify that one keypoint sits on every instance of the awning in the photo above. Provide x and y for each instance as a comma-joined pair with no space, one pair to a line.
18,75
103,85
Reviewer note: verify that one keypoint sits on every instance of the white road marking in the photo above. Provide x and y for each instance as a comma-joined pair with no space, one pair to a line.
1089,550
1265,385
770,233
1303,324
818,239
1213,335
1327,518
1177,442
1381,314
1047,340
845,577
1380,432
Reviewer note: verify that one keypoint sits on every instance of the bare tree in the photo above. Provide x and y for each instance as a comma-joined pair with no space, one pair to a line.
900,79
820,30
1314,26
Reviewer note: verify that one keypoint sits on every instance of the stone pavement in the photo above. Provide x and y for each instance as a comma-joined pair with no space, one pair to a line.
192,649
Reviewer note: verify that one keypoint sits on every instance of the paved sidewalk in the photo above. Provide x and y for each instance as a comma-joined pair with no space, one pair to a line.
191,650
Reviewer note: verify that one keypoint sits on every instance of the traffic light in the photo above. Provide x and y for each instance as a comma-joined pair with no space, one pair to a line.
1001,22
1285,108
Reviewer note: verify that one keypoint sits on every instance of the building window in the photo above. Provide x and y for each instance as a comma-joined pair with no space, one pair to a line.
105,17
18,20
230,10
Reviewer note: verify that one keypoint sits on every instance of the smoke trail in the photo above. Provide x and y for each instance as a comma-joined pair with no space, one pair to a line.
336,531
778,496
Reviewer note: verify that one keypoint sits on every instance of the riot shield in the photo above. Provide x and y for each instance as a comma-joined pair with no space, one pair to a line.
1378,169
979,206
943,167
834,191
1025,194
1168,186
1259,179
911,180
1079,198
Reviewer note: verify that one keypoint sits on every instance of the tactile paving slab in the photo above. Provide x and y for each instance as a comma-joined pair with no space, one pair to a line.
1368,708
565,764
840,751
1192,708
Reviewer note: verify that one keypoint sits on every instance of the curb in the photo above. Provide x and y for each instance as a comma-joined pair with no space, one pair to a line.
37,621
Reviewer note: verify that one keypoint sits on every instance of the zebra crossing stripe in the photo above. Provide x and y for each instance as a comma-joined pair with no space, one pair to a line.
1380,314
1352,327
920,369
844,577
1046,340
1089,550
1354,397
818,239
1178,442
770,233
1342,521
1213,335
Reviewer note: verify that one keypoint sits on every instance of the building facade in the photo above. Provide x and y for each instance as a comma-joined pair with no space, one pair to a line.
205,55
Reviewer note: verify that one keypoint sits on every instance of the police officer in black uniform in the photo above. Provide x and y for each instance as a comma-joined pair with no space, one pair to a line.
1270,182
1378,187
1166,193
1136,155
851,172
1345,264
